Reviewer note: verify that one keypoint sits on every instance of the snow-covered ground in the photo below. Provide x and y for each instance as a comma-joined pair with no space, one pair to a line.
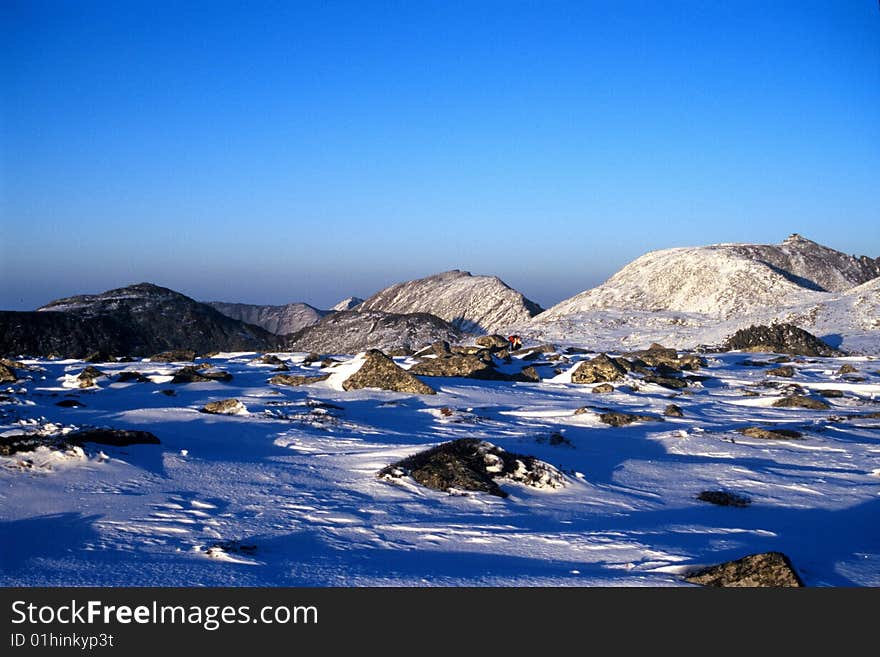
287,492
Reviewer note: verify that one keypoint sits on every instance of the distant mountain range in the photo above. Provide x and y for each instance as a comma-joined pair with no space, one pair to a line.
681,297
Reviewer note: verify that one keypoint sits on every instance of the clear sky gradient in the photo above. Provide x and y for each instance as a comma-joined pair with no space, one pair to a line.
269,152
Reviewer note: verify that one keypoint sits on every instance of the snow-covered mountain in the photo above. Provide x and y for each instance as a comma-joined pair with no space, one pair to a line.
350,332
349,303
280,320
697,295
471,303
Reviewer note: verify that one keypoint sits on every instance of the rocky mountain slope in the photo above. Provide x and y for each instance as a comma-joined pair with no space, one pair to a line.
138,320
280,320
349,303
350,332
480,304
690,296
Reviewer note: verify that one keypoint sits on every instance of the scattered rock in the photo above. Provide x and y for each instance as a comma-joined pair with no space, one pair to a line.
830,394
657,355
173,356
492,341
770,434
379,371
112,437
801,401
294,380
754,363
673,411
225,407
191,374
168,392
603,388
461,365
600,369
780,339
27,442
666,381
473,465
310,358
70,403
88,376
785,370
128,376
767,569
847,368
618,419
527,375
555,439
268,359
724,498
7,374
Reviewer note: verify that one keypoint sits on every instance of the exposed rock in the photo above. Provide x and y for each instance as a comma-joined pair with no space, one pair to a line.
673,411
349,303
70,403
225,407
7,374
100,356
666,381
830,394
600,369
603,388
754,363
768,569
468,464
191,374
127,376
780,339
847,368
784,370
658,355
88,376
352,332
770,434
527,375
724,498
294,380
280,320
618,419
439,348
173,356
112,437
268,359
462,365
494,341
379,371
27,442
801,401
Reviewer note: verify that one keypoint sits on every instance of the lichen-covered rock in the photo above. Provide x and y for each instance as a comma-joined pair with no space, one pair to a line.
297,380
780,339
7,374
657,355
784,371
379,371
767,569
673,411
847,368
192,374
801,401
225,407
492,341
173,356
618,419
470,366
770,434
603,388
468,464
600,369
88,376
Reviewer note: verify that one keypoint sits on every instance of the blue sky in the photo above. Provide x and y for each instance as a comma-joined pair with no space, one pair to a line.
270,152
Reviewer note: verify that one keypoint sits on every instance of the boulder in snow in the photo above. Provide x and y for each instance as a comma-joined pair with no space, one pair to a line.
767,569
379,371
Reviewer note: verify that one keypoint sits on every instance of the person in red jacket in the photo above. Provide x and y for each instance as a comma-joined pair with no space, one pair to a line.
515,342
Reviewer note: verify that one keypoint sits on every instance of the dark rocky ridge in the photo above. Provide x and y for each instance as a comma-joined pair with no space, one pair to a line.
138,320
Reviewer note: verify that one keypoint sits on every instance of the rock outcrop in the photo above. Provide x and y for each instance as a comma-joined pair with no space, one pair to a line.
779,339
280,320
379,371
767,569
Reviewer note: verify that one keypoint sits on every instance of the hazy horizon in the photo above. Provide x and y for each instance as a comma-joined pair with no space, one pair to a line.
311,151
